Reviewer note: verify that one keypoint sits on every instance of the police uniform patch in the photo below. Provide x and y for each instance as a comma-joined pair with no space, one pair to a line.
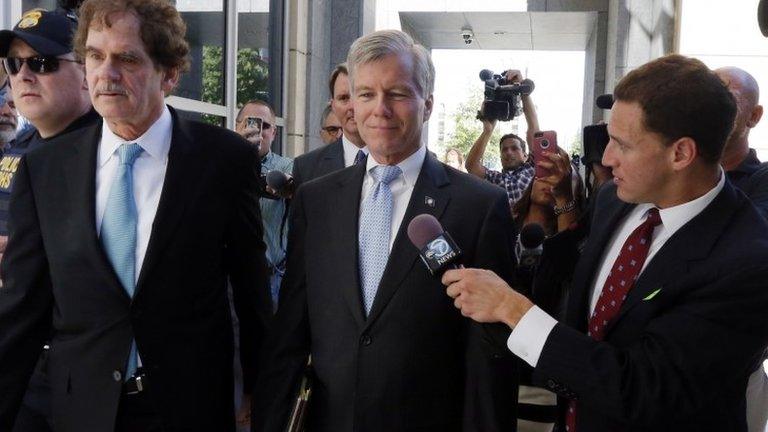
30,19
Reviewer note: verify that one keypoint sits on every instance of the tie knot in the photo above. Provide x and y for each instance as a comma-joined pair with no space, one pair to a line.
128,153
385,173
360,156
653,218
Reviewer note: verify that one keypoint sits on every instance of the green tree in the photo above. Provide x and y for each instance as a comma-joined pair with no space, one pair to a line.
252,77
468,128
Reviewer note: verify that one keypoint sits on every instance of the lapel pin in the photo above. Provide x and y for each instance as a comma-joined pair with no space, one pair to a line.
429,201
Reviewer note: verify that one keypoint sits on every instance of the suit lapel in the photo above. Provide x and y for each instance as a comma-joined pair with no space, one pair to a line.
428,197
79,166
347,204
185,162
603,226
694,241
333,159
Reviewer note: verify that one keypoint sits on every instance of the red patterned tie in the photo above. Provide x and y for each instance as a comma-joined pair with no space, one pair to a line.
620,280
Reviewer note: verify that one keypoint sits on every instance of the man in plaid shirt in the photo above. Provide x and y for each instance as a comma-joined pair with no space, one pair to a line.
517,170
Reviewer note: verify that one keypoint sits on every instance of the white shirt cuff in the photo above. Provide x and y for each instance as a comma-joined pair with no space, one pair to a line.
529,336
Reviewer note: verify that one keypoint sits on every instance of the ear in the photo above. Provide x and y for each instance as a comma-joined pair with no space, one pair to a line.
273,129
170,79
428,103
755,116
683,153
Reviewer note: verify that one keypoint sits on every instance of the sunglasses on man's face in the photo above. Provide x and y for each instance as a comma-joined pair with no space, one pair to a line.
37,64
332,129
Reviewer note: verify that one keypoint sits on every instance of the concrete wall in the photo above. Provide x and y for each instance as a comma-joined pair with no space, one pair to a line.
333,26
638,31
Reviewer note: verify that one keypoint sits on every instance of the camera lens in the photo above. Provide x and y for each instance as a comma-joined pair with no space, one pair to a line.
544,143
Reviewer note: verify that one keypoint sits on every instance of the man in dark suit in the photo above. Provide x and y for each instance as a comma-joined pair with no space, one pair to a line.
347,150
122,237
389,353
666,316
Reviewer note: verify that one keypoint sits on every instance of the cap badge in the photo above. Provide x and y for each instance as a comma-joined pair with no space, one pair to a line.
30,19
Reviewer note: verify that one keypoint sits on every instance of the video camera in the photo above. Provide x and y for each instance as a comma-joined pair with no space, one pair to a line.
595,137
502,98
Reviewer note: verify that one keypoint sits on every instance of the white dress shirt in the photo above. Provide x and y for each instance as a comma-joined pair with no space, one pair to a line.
401,187
529,336
148,176
350,151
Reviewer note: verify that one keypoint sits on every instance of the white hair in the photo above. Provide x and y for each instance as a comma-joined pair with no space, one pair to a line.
380,44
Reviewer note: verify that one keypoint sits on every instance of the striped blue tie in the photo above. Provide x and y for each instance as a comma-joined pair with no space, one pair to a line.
118,230
375,225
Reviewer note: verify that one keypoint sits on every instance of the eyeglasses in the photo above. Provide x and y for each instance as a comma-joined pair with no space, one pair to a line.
331,129
265,125
37,64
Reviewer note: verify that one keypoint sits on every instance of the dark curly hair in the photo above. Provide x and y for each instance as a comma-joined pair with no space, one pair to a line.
162,28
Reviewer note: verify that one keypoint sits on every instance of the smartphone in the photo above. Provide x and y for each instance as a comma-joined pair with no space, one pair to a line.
254,123
543,141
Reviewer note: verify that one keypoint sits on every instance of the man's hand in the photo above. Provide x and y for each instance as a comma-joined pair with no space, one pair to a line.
488,126
243,417
253,135
485,297
559,181
513,76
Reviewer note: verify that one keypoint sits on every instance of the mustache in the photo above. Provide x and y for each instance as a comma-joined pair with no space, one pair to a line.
111,88
6,122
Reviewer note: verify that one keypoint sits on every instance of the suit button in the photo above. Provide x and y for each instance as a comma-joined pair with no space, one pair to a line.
366,340
552,384
117,376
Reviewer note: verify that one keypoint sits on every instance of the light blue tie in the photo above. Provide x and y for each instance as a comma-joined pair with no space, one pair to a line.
118,230
375,225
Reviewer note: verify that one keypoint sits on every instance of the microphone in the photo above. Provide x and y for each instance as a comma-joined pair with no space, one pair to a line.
529,248
280,182
436,248
604,101
486,74
762,17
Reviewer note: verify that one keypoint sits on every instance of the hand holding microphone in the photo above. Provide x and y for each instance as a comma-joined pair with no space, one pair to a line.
480,294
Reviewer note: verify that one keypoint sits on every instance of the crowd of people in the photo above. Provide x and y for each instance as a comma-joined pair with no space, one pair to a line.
162,274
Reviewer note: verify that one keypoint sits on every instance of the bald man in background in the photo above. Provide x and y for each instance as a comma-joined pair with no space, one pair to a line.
740,161
747,173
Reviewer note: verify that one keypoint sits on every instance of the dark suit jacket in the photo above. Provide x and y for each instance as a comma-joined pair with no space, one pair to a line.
318,162
679,359
415,363
58,281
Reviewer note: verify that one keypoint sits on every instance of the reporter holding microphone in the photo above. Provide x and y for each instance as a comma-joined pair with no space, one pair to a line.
666,314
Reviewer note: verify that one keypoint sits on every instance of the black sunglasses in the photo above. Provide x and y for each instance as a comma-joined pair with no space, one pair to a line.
37,64
332,129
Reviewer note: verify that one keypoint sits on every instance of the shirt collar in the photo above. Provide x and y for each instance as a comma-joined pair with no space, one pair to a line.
350,147
156,141
523,166
673,218
410,166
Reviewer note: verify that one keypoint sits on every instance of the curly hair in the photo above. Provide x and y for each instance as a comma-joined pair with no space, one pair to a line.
162,28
